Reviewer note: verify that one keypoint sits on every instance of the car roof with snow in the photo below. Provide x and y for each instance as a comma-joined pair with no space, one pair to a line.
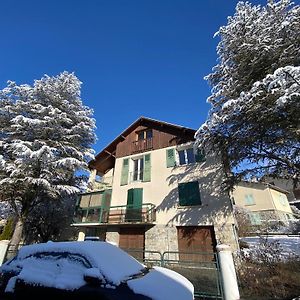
115,264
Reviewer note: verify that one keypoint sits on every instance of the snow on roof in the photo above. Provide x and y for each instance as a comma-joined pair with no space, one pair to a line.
114,263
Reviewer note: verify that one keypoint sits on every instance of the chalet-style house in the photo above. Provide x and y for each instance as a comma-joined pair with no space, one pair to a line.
265,202
150,190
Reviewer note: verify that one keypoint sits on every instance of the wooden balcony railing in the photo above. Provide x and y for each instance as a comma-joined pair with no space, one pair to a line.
142,145
122,214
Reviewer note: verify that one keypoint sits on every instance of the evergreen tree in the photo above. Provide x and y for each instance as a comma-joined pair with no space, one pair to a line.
47,135
255,102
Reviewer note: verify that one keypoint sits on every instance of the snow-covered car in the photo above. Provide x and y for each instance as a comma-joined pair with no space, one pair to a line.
87,270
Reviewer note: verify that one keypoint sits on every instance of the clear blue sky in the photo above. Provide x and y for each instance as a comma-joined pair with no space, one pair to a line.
134,57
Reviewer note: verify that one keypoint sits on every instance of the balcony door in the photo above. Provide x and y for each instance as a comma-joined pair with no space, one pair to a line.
134,205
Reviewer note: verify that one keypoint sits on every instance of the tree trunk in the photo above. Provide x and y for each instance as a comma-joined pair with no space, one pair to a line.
17,236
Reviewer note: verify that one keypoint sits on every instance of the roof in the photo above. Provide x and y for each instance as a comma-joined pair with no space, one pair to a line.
108,153
266,184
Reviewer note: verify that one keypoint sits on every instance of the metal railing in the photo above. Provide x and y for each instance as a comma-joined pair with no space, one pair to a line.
201,268
120,214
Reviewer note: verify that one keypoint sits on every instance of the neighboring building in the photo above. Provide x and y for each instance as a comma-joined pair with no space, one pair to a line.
148,190
286,184
265,202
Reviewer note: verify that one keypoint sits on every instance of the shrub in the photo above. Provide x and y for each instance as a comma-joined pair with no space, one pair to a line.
264,274
8,230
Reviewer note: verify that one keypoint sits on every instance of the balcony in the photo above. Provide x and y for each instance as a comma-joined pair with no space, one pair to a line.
123,214
142,145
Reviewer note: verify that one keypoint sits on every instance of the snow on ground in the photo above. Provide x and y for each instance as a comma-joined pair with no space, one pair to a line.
288,244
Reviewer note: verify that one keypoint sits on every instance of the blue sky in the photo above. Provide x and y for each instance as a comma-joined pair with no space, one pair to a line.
134,57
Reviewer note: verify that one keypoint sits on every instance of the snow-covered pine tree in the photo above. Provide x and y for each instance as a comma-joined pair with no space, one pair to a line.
254,120
46,134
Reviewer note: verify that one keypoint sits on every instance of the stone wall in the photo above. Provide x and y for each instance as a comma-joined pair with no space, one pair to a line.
161,238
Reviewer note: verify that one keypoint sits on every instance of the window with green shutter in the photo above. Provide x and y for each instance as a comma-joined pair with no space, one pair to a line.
125,169
147,168
170,156
189,193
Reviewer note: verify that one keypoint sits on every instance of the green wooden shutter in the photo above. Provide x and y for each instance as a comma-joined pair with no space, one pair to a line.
170,154
189,193
125,169
200,155
147,168
130,198
134,205
137,198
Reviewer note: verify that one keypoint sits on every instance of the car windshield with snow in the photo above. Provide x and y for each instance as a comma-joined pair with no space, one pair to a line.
89,270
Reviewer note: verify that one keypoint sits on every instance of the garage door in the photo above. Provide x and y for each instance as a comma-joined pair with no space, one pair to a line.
132,240
196,239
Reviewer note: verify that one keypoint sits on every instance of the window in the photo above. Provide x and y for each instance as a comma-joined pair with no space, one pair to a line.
138,167
149,134
189,193
143,135
249,199
186,156
282,199
255,218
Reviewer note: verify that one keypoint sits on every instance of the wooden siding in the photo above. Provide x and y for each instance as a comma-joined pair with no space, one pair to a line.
134,239
196,239
162,137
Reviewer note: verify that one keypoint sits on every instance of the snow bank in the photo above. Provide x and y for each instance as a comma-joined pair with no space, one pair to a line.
290,245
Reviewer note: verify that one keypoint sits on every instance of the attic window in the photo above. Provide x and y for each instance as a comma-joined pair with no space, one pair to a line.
145,135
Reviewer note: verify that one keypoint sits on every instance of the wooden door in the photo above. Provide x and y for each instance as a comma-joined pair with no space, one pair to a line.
196,242
132,240
134,205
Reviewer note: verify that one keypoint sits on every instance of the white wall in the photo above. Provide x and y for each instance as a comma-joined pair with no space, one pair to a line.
162,191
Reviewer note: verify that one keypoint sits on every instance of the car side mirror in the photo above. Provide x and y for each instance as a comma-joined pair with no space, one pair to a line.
93,277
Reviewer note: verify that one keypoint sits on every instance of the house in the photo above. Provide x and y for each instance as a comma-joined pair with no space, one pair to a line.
264,201
286,184
149,190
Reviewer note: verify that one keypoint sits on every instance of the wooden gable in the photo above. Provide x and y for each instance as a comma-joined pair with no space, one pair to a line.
162,136
127,143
